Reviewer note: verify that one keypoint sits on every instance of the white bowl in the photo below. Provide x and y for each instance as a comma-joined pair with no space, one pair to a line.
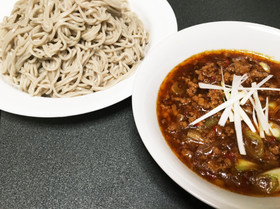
160,24
161,60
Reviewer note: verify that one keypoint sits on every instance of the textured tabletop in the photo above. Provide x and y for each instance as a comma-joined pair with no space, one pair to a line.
97,160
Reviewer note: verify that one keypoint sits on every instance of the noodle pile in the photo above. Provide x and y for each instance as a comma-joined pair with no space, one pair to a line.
67,48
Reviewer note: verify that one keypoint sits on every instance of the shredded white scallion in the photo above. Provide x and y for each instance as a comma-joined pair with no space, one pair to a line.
236,96
238,130
244,100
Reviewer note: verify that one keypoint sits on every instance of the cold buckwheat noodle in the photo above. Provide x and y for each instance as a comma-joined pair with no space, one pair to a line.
67,48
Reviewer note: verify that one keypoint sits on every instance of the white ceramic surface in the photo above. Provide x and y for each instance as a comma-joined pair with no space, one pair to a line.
161,60
160,24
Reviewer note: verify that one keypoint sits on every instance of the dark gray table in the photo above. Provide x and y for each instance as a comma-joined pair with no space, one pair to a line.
97,160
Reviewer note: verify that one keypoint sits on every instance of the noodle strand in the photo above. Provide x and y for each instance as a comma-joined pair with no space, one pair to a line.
66,48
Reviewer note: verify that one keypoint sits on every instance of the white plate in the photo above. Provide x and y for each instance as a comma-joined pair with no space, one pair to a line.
160,21
175,49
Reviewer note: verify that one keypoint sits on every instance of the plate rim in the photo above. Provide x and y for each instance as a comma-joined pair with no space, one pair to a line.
113,95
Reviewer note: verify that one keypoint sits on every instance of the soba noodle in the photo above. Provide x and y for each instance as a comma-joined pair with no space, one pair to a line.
67,48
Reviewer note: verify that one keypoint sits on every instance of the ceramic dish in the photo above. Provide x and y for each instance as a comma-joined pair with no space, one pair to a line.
168,54
160,25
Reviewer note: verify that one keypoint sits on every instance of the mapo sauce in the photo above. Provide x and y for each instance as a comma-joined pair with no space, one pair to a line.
210,149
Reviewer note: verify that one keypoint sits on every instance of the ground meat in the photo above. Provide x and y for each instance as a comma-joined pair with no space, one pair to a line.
192,87
229,131
216,98
211,159
209,72
275,150
240,66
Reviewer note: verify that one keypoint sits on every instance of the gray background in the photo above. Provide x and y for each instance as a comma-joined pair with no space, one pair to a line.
98,160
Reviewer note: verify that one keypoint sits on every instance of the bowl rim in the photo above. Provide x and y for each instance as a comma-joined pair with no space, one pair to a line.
143,104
